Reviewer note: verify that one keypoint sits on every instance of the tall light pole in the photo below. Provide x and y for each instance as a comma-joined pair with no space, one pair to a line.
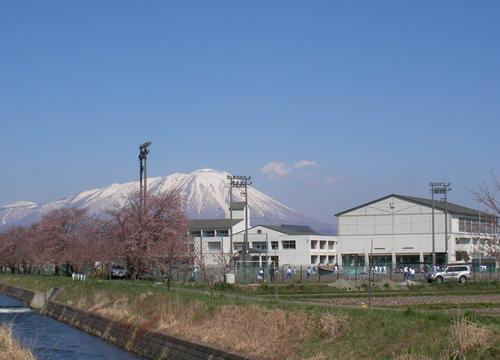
143,178
440,188
241,182
230,178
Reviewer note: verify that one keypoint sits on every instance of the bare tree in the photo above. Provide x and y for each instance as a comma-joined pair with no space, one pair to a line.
155,236
213,266
488,196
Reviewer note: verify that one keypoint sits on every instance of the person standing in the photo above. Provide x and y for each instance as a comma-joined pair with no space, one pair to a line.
260,276
272,272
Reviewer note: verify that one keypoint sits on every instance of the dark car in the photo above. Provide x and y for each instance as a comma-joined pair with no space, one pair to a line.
119,272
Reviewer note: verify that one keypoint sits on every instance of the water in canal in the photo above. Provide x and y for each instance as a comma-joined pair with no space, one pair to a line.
50,339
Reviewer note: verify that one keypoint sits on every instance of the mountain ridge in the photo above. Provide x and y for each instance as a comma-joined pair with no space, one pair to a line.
205,193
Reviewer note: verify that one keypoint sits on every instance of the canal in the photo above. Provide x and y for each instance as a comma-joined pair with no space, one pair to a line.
50,339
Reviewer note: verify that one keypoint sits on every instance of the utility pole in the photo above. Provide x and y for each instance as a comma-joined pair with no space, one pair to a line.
446,189
143,178
242,182
440,188
370,272
229,177
433,229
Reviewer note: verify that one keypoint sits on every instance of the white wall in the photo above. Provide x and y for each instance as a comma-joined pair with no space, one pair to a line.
380,218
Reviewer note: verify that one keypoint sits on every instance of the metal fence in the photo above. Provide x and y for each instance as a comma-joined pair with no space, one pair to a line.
252,273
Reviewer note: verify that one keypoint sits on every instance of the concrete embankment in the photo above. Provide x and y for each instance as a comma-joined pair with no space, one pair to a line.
149,344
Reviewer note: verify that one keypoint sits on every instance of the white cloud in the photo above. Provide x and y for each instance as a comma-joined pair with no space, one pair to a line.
305,163
276,169
332,180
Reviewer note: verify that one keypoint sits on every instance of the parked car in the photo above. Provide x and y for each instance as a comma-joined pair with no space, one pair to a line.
119,272
460,273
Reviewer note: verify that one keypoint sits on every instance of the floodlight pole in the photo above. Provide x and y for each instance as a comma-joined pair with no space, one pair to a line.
141,169
241,182
433,229
446,225
246,215
143,156
440,188
229,177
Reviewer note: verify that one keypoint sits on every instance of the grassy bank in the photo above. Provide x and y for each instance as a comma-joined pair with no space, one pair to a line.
10,349
275,330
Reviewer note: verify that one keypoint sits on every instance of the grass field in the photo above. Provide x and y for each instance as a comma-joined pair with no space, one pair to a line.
249,320
10,349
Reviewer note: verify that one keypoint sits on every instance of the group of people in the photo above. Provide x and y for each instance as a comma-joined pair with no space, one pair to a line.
291,272
379,269
409,272
310,271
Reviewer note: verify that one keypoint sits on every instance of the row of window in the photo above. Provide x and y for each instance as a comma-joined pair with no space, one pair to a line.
465,241
261,245
210,233
322,259
322,244
473,226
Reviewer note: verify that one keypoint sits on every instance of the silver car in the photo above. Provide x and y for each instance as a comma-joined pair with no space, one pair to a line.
460,273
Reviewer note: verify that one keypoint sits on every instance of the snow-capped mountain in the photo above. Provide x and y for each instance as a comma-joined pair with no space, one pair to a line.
205,193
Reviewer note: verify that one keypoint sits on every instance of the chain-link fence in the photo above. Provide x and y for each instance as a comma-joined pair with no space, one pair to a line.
252,272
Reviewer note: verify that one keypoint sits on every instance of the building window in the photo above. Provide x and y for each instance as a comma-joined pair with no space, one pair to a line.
331,259
237,245
209,233
331,245
322,259
288,244
195,233
223,233
322,245
314,244
474,226
213,245
259,231
314,259
261,245
274,245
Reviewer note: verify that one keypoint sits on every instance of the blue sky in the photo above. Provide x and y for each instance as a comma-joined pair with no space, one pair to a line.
379,97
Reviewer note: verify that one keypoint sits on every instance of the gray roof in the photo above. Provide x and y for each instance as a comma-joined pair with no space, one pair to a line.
212,224
291,229
237,205
438,204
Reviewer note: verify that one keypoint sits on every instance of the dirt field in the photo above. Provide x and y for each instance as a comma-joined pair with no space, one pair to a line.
413,300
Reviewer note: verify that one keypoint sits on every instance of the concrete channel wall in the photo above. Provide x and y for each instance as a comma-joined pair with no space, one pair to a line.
148,344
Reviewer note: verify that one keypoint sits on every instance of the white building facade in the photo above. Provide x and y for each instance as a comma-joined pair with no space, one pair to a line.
281,245
398,229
